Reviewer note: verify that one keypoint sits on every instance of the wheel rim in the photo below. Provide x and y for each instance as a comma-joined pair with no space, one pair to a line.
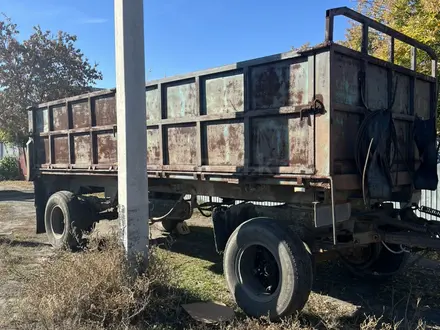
362,257
258,272
57,222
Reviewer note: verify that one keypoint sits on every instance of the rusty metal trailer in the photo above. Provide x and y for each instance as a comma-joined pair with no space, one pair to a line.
334,133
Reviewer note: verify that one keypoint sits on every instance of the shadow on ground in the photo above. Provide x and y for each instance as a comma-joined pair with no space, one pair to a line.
21,243
16,196
198,244
394,300
410,296
171,314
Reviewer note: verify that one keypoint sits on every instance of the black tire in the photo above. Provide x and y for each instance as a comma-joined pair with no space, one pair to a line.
170,224
290,272
62,214
378,263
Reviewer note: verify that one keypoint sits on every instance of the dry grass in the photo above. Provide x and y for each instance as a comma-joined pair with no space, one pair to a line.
95,289
17,185
432,255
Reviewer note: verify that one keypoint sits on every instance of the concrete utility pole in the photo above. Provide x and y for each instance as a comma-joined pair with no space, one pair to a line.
131,119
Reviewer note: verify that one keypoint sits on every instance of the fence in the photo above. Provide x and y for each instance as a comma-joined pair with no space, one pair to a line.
430,199
7,151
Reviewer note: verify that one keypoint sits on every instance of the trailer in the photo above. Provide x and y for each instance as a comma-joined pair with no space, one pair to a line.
342,140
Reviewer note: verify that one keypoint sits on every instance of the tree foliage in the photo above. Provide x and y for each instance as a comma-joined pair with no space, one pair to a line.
9,168
419,19
42,68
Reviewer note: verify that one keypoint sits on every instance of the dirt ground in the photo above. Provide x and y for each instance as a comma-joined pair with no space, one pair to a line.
413,295
22,247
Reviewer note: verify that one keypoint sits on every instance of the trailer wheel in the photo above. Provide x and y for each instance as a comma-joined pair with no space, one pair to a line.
267,269
375,261
170,224
62,211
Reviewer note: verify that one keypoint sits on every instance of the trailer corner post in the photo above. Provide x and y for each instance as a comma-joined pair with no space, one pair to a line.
131,121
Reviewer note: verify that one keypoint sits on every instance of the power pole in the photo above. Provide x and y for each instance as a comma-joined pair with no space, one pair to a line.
131,120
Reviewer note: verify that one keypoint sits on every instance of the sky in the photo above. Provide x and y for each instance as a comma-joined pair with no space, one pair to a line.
182,36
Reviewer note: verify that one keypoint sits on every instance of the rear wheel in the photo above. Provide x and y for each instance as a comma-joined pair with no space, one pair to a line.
62,215
170,224
267,269
375,261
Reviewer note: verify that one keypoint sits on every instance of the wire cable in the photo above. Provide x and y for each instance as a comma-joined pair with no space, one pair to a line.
391,250
364,172
156,219
376,141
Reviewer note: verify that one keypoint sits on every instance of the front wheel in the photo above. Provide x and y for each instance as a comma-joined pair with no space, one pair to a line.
267,269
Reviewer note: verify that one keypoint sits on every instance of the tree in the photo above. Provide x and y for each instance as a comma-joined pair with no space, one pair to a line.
419,19
43,68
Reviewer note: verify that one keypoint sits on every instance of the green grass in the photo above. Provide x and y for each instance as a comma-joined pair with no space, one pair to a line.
194,276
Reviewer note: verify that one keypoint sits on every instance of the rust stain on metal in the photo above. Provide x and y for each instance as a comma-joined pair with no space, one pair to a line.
42,146
60,118
283,141
225,144
270,142
279,85
61,150
153,146
224,94
107,151
82,149
298,95
105,111
152,97
301,140
182,145
269,91
181,100
345,80
81,114
322,134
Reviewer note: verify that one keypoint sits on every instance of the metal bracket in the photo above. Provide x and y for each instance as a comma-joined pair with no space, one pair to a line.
366,238
315,107
323,214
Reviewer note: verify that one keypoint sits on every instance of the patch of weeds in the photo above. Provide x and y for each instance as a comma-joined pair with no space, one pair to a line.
97,289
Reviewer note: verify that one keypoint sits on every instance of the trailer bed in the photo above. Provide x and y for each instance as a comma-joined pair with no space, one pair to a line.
282,119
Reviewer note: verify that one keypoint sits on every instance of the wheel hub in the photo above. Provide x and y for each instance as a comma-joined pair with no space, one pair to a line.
259,270
57,221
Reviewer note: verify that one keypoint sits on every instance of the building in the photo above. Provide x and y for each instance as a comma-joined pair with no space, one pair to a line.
8,151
